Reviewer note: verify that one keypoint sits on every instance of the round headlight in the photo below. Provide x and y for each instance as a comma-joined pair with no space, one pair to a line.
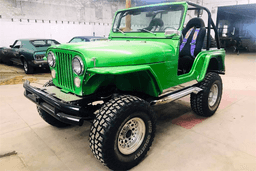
77,65
51,59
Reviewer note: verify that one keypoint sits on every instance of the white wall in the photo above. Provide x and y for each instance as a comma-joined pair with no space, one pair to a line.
14,16
56,19
62,32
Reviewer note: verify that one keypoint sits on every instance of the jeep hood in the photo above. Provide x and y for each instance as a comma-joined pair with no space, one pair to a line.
120,53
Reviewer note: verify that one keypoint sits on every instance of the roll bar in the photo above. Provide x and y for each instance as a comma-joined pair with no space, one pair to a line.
210,24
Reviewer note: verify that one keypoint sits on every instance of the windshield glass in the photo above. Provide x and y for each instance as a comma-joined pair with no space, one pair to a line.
44,43
149,19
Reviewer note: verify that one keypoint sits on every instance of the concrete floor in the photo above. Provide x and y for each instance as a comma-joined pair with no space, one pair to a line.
184,142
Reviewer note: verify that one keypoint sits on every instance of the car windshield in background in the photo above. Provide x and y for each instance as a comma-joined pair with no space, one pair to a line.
149,19
44,43
98,39
77,39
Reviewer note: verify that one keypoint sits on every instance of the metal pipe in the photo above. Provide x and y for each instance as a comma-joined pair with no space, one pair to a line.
177,95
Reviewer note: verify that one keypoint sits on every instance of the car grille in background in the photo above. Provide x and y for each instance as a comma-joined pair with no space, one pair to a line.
39,57
64,71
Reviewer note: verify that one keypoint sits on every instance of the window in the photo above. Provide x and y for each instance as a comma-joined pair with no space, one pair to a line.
17,44
225,31
77,39
44,43
149,19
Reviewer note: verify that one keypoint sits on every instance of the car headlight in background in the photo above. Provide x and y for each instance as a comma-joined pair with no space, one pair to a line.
51,59
77,65
39,56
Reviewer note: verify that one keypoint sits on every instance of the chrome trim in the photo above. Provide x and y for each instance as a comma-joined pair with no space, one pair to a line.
39,62
178,87
94,61
131,136
81,63
177,95
213,95
53,58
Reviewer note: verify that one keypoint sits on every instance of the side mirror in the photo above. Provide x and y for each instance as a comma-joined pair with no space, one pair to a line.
11,46
171,33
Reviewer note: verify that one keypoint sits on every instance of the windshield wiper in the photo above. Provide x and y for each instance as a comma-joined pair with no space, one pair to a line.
120,31
148,31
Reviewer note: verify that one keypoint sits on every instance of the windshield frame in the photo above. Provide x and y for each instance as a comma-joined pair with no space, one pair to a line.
121,13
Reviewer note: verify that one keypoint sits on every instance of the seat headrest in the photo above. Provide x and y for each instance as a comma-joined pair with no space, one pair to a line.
195,22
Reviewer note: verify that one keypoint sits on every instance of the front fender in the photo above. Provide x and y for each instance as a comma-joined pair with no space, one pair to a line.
139,78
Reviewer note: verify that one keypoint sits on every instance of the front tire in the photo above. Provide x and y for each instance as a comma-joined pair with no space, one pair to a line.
206,102
122,132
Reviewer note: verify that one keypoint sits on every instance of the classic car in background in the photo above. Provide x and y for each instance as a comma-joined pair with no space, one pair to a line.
86,39
27,52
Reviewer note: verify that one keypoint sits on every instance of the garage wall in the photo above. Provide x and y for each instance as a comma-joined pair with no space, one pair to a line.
63,19
57,19
213,5
11,30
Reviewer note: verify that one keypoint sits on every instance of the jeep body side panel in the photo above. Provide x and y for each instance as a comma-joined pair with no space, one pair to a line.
201,65
158,60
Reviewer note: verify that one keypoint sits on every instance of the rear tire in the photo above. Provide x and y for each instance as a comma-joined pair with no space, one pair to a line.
206,102
122,132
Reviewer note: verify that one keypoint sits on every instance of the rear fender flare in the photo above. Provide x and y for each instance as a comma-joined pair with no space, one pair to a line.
213,63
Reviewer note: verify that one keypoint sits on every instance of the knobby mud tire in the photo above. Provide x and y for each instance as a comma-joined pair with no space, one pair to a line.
200,103
106,128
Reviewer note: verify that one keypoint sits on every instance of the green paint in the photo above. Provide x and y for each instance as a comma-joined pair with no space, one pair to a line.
132,61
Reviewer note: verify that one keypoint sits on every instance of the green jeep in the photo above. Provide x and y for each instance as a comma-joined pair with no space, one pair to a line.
151,57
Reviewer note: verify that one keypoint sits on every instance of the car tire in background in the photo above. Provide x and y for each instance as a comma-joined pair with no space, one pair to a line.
27,68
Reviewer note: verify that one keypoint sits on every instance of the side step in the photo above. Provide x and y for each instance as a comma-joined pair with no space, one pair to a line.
176,95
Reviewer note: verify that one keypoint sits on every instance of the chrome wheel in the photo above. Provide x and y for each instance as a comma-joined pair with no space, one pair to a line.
131,136
213,95
25,65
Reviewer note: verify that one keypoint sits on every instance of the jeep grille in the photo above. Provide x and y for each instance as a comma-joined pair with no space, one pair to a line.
64,71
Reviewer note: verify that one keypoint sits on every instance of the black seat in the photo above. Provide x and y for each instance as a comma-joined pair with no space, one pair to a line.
186,56
155,23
